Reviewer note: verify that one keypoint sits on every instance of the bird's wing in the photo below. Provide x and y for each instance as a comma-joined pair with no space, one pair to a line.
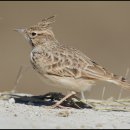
64,61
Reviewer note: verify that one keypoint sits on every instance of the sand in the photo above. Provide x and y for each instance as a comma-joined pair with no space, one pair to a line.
21,116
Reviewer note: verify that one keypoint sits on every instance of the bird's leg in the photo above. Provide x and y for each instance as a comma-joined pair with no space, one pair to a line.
83,99
63,99
82,95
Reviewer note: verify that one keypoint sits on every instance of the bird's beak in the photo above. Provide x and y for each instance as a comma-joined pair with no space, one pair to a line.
23,32
19,30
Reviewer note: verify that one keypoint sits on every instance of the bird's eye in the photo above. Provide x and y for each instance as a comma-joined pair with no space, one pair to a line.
33,33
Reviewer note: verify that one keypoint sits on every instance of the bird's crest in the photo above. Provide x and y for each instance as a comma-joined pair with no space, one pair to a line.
45,23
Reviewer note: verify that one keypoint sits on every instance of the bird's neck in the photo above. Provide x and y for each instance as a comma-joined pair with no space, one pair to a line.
48,38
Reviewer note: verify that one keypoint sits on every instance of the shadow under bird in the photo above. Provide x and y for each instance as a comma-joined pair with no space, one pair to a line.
62,66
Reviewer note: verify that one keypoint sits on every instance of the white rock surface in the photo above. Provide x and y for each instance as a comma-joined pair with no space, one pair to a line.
22,116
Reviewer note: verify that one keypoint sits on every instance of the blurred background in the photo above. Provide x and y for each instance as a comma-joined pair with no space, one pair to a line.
100,29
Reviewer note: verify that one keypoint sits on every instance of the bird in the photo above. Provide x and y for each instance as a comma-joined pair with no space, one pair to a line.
63,66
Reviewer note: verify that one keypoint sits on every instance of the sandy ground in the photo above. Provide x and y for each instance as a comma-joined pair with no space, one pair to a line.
14,116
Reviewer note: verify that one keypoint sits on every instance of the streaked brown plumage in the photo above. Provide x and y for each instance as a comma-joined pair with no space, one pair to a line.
63,66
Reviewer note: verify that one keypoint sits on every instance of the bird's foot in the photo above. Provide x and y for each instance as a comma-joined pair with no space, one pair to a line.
58,104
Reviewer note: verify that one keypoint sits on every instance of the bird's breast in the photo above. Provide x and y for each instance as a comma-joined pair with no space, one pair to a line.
37,62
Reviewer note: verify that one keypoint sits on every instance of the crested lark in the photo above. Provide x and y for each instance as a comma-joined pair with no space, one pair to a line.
62,66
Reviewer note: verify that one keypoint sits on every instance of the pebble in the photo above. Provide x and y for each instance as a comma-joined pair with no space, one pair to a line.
11,100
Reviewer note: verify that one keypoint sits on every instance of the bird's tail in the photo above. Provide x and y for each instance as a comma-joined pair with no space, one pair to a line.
120,81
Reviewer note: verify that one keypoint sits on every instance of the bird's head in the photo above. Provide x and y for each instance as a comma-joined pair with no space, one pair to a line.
39,33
